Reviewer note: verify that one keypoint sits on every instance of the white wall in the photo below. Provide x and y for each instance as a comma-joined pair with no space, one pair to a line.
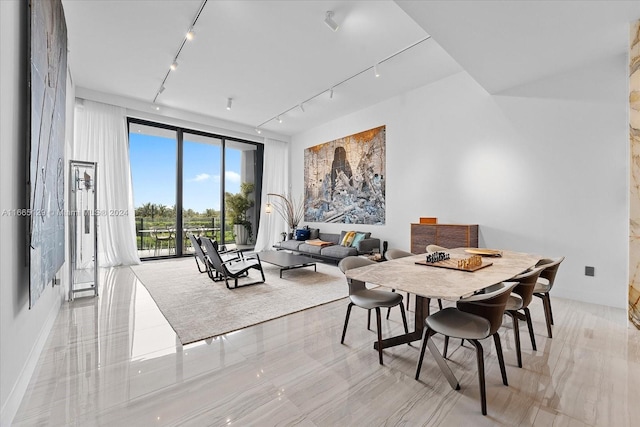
23,332
546,176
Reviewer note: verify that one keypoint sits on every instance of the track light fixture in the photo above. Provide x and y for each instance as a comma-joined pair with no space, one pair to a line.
188,36
331,89
329,21
229,101
258,131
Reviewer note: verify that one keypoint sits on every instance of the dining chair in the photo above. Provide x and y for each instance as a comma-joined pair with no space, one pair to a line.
545,283
369,299
161,237
473,319
518,306
234,268
436,248
392,254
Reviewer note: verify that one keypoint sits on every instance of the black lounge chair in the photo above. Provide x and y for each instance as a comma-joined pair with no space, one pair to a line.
233,268
203,263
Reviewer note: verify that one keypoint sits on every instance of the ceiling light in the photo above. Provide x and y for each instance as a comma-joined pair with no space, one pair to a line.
330,22
229,100
375,70
157,108
302,107
331,93
191,34
279,119
161,89
174,65
258,131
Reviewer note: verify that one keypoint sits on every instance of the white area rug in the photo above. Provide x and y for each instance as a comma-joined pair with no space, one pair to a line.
198,308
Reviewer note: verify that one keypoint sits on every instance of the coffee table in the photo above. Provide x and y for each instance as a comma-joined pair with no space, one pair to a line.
286,260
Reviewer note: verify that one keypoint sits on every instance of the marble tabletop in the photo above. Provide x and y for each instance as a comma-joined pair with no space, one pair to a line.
404,274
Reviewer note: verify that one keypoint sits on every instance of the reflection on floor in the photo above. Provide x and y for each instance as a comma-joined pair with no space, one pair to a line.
114,360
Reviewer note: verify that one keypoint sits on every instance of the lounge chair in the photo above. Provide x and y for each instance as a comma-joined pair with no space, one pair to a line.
234,268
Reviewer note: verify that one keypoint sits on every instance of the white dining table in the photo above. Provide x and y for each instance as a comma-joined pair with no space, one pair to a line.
429,282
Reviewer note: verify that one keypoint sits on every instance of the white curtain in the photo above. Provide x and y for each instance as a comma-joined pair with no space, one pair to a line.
275,179
100,135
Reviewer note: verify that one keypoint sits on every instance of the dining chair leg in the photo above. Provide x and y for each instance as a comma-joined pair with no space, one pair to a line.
527,315
440,304
546,301
404,320
425,336
379,323
549,303
516,335
346,321
483,392
389,309
446,346
503,370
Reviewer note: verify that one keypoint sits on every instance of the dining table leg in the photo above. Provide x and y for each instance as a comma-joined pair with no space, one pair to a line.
421,313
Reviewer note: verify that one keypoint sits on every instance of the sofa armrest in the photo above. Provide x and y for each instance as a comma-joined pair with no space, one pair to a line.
369,245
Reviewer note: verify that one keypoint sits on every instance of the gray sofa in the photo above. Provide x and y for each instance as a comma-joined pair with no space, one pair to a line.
334,252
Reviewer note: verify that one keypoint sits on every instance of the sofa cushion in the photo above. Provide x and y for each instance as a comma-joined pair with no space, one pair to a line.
291,245
314,233
357,239
337,251
310,249
330,237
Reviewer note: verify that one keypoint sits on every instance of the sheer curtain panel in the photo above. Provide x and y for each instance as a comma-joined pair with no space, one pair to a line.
100,135
275,179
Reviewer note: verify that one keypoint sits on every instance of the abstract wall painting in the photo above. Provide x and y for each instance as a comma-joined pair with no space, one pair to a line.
344,179
48,78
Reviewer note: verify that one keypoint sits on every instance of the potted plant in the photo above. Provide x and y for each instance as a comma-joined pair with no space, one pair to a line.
237,206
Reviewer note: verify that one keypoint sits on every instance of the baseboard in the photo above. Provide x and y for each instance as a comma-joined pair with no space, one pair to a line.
10,408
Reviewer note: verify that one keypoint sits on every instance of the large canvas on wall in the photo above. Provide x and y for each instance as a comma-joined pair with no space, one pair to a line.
48,77
344,179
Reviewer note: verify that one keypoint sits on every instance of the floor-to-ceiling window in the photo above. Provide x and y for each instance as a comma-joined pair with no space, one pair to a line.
189,182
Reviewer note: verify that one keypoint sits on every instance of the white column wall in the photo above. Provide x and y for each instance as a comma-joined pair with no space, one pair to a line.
546,176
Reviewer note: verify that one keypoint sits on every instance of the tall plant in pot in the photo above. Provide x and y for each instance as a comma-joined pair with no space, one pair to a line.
236,206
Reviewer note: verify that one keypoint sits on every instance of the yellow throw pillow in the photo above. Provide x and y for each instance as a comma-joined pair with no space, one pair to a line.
348,238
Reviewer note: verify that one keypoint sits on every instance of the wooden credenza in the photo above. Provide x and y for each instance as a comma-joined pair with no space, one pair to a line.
446,235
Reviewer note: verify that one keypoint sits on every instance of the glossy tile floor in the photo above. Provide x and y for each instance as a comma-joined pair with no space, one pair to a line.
114,360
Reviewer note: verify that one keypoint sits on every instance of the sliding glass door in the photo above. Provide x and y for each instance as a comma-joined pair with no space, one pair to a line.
153,156
189,182
202,168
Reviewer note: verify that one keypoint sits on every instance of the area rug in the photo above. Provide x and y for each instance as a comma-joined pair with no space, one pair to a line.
198,308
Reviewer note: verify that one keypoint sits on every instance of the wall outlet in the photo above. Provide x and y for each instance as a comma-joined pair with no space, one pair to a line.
589,271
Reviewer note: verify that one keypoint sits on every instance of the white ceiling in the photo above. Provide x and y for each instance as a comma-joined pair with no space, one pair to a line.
269,56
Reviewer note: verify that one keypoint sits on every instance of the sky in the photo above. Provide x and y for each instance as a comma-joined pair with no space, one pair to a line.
153,170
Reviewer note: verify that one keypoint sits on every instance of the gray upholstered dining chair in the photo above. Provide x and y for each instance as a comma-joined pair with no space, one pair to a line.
435,248
518,306
369,299
545,283
392,254
474,318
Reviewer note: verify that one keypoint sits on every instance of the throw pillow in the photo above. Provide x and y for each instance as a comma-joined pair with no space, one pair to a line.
348,238
302,234
357,239
315,233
